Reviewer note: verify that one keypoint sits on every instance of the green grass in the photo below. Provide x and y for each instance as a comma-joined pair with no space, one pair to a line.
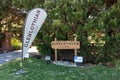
39,70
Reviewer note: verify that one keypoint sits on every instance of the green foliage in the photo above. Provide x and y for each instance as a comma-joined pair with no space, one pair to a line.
72,19
44,48
110,20
88,18
63,23
4,6
16,44
27,4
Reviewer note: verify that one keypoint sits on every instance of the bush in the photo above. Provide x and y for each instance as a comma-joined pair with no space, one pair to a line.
44,48
16,44
110,51
87,18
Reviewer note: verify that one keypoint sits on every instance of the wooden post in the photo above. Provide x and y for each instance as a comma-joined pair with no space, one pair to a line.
55,54
6,43
75,49
55,51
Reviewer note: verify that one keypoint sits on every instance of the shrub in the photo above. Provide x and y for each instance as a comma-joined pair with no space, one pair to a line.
16,44
84,18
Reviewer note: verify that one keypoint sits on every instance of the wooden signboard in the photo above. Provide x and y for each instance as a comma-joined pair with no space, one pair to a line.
65,45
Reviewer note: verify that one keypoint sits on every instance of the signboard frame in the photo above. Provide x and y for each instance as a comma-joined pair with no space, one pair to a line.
65,45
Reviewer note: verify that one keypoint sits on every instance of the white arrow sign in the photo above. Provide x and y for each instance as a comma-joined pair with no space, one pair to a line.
33,23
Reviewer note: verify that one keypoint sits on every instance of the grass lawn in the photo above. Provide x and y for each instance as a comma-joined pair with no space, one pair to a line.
39,70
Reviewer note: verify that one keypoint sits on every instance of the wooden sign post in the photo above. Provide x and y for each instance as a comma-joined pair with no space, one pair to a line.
65,45
55,51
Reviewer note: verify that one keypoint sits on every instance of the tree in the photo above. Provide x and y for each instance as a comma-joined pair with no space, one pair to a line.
11,18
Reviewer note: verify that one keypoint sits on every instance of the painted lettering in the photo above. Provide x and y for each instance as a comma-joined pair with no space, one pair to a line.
32,28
